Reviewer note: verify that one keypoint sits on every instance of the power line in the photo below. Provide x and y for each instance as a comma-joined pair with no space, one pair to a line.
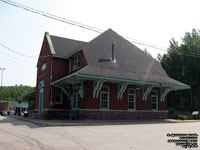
16,58
51,16
149,46
21,53
19,62
145,43
16,51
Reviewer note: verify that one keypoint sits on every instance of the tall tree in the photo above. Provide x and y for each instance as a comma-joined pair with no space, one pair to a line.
13,92
182,62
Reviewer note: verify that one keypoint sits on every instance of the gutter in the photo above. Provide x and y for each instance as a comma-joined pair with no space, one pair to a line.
51,77
73,74
176,87
132,81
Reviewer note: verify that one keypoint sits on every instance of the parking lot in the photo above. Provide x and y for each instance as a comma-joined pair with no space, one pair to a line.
17,134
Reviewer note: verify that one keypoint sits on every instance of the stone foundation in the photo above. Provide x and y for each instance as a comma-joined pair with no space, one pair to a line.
120,114
103,114
46,114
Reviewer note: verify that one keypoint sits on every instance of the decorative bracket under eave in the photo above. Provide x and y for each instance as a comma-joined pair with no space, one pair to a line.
97,88
121,90
64,90
146,91
163,93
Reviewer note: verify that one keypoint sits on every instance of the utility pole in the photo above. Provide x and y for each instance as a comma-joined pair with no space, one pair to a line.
2,69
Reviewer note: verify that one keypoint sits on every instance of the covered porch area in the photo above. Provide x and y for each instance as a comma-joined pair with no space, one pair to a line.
100,97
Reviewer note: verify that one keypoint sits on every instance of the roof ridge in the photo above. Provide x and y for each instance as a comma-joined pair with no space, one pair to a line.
67,38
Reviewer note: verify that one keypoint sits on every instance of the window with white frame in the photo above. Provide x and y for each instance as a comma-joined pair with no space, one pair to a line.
76,61
58,96
43,69
104,98
131,98
154,100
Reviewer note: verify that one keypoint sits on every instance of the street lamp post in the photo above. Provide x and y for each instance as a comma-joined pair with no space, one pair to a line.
2,69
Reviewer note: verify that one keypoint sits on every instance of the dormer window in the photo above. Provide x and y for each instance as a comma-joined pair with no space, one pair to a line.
43,70
76,62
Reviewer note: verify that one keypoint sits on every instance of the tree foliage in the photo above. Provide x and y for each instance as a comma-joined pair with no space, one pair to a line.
182,62
13,92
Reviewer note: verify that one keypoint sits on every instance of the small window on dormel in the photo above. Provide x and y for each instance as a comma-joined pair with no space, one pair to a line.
76,61
43,70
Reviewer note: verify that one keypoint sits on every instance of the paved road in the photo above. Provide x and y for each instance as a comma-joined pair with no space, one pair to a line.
20,135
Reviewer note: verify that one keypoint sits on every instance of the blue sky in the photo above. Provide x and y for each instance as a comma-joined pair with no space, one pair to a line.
150,21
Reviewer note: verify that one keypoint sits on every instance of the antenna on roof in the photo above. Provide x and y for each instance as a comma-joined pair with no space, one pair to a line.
113,52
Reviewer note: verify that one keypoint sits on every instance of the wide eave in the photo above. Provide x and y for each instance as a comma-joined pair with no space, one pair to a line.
81,75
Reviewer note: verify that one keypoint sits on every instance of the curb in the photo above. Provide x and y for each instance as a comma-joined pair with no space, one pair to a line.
43,124
28,120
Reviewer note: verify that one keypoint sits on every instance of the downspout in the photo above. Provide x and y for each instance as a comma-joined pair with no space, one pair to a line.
70,97
69,65
51,77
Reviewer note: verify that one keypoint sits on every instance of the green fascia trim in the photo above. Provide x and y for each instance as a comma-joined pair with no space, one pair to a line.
131,81
180,87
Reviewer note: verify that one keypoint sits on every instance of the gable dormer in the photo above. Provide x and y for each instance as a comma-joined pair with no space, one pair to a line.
77,60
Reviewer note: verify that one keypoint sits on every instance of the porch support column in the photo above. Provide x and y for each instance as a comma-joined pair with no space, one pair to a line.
97,88
146,91
121,90
80,90
163,93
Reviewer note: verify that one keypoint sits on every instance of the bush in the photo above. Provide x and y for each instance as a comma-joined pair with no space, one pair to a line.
174,116
172,111
183,117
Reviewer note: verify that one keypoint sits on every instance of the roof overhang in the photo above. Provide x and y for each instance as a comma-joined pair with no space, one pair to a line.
50,43
28,96
79,77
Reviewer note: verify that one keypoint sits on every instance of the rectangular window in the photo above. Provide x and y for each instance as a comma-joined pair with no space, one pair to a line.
154,100
58,96
131,99
76,62
104,98
43,70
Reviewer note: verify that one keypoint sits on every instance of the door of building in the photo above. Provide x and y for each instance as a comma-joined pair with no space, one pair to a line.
41,97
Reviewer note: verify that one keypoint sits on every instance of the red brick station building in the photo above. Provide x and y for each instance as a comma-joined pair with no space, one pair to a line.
106,78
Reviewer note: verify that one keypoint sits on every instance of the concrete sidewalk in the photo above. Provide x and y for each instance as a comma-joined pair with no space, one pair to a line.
47,123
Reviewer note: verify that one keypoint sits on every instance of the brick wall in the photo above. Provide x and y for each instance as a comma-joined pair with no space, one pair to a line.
4,106
45,57
60,68
88,102
65,101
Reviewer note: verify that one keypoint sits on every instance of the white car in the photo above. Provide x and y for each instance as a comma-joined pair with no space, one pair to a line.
4,113
11,112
